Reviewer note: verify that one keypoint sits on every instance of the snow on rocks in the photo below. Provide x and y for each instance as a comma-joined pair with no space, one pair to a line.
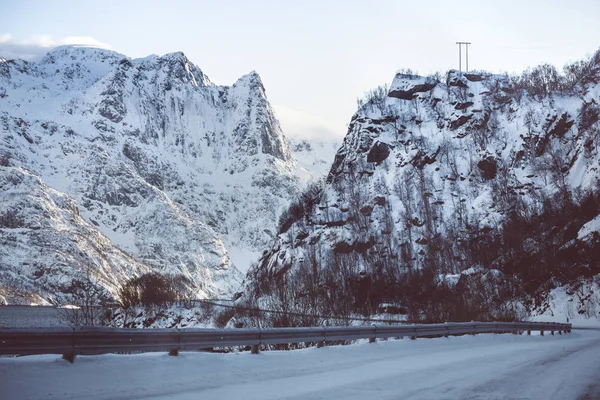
454,162
169,168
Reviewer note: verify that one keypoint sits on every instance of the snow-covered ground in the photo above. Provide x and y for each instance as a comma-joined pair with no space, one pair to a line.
468,367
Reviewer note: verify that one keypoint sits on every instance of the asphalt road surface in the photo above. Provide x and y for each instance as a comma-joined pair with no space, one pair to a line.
468,367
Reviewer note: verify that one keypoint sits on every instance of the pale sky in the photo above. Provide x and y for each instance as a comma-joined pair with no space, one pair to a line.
314,57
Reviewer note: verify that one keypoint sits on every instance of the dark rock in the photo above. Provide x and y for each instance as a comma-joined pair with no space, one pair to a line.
379,200
271,143
408,94
559,126
488,167
462,106
314,239
588,115
302,235
456,79
474,77
125,63
460,121
337,168
330,224
113,108
481,120
362,247
4,69
343,247
406,90
390,119
422,241
366,210
540,143
378,153
421,158
486,229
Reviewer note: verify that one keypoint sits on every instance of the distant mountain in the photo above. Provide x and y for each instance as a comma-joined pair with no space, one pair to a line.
116,166
472,196
313,157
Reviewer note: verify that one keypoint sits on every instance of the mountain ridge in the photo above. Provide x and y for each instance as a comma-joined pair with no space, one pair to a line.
173,169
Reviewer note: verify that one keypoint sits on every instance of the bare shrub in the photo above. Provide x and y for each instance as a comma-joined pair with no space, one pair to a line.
223,317
153,289
86,304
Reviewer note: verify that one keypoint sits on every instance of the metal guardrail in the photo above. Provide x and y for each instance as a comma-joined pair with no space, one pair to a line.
101,340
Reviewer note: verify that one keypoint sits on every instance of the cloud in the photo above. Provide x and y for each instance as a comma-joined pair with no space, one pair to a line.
37,46
299,124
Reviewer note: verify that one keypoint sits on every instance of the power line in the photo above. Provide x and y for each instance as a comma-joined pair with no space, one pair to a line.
296,314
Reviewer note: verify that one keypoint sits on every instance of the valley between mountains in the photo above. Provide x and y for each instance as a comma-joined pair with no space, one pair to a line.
452,197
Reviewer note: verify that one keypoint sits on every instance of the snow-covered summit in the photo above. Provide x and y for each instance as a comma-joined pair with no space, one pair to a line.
174,170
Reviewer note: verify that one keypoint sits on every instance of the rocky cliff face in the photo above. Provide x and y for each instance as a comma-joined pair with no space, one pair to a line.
171,170
46,245
470,197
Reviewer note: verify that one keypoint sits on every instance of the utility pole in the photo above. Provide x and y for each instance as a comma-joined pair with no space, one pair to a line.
460,54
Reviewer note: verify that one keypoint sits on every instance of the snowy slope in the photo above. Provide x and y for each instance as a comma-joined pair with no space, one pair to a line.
47,245
171,168
450,197
313,157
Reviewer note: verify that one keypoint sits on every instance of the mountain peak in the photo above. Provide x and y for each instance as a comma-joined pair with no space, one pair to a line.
190,171
252,77
78,53
176,55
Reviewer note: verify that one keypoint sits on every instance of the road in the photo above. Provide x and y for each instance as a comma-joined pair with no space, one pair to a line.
468,367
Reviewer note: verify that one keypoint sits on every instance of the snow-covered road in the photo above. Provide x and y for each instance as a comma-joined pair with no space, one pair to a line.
467,367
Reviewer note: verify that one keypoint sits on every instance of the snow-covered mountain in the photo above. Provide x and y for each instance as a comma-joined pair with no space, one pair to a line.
313,158
466,198
162,168
46,244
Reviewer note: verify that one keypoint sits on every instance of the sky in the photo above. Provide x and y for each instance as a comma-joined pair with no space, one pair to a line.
315,58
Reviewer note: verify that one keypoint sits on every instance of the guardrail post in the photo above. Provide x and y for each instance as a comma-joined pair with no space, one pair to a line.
254,347
175,352
322,344
372,339
552,333
542,333
70,356
447,330
529,332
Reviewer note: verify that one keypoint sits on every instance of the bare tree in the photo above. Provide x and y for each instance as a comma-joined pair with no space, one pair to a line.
86,304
